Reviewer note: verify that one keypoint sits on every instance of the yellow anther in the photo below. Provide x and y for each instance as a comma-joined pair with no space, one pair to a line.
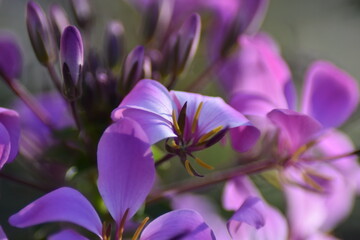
188,168
301,150
174,145
312,183
196,118
203,164
176,125
210,134
139,229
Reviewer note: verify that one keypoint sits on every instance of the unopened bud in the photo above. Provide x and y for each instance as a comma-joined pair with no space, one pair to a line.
133,67
82,12
10,57
72,62
39,32
114,44
157,18
58,20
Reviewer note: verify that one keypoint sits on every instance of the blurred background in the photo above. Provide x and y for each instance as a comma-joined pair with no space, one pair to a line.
305,30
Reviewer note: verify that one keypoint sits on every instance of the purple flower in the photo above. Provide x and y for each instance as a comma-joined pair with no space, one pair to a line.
10,57
126,176
59,21
193,121
2,234
9,135
36,137
72,61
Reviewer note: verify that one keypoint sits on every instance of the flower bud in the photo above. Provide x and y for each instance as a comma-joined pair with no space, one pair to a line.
133,67
114,44
72,62
58,20
10,57
39,32
82,11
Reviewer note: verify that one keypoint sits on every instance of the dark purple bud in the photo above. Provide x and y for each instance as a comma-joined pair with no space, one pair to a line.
82,12
114,44
10,57
182,46
157,19
40,35
72,62
59,20
133,67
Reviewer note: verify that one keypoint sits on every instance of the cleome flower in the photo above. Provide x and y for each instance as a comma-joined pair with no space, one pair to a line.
190,122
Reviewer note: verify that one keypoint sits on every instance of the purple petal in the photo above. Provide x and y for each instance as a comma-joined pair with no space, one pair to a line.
150,104
10,120
243,138
2,234
252,13
67,234
5,145
206,209
251,104
257,69
178,224
214,113
126,167
250,213
63,205
295,129
10,57
326,85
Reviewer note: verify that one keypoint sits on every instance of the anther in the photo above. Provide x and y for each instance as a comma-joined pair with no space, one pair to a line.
188,168
122,225
196,118
174,145
203,164
312,183
176,125
139,229
209,134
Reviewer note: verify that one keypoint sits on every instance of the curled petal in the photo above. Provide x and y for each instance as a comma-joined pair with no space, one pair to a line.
2,234
295,129
179,224
10,57
151,105
327,85
126,167
10,120
65,205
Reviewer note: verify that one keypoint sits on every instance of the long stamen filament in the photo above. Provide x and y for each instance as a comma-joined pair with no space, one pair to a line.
209,134
301,150
140,228
176,125
122,225
188,168
203,164
196,118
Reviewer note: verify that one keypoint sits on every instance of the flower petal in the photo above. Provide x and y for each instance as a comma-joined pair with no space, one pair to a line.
10,57
214,113
67,234
2,234
5,145
243,138
63,204
296,129
179,224
10,120
326,85
153,106
126,167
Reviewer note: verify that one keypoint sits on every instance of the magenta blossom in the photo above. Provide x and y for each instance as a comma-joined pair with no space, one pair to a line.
192,121
126,176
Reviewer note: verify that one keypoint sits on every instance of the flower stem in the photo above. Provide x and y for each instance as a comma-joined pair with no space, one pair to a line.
55,78
22,182
164,159
348,154
75,115
210,180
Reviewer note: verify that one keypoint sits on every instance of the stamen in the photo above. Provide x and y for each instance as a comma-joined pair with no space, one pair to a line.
174,145
203,164
312,183
176,125
301,150
196,118
209,134
188,168
106,230
140,228
122,225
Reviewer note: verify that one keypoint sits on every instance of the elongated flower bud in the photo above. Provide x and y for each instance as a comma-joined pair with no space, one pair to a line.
10,57
82,11
182,46
114,44
39,32
72,62
58,20
132,70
